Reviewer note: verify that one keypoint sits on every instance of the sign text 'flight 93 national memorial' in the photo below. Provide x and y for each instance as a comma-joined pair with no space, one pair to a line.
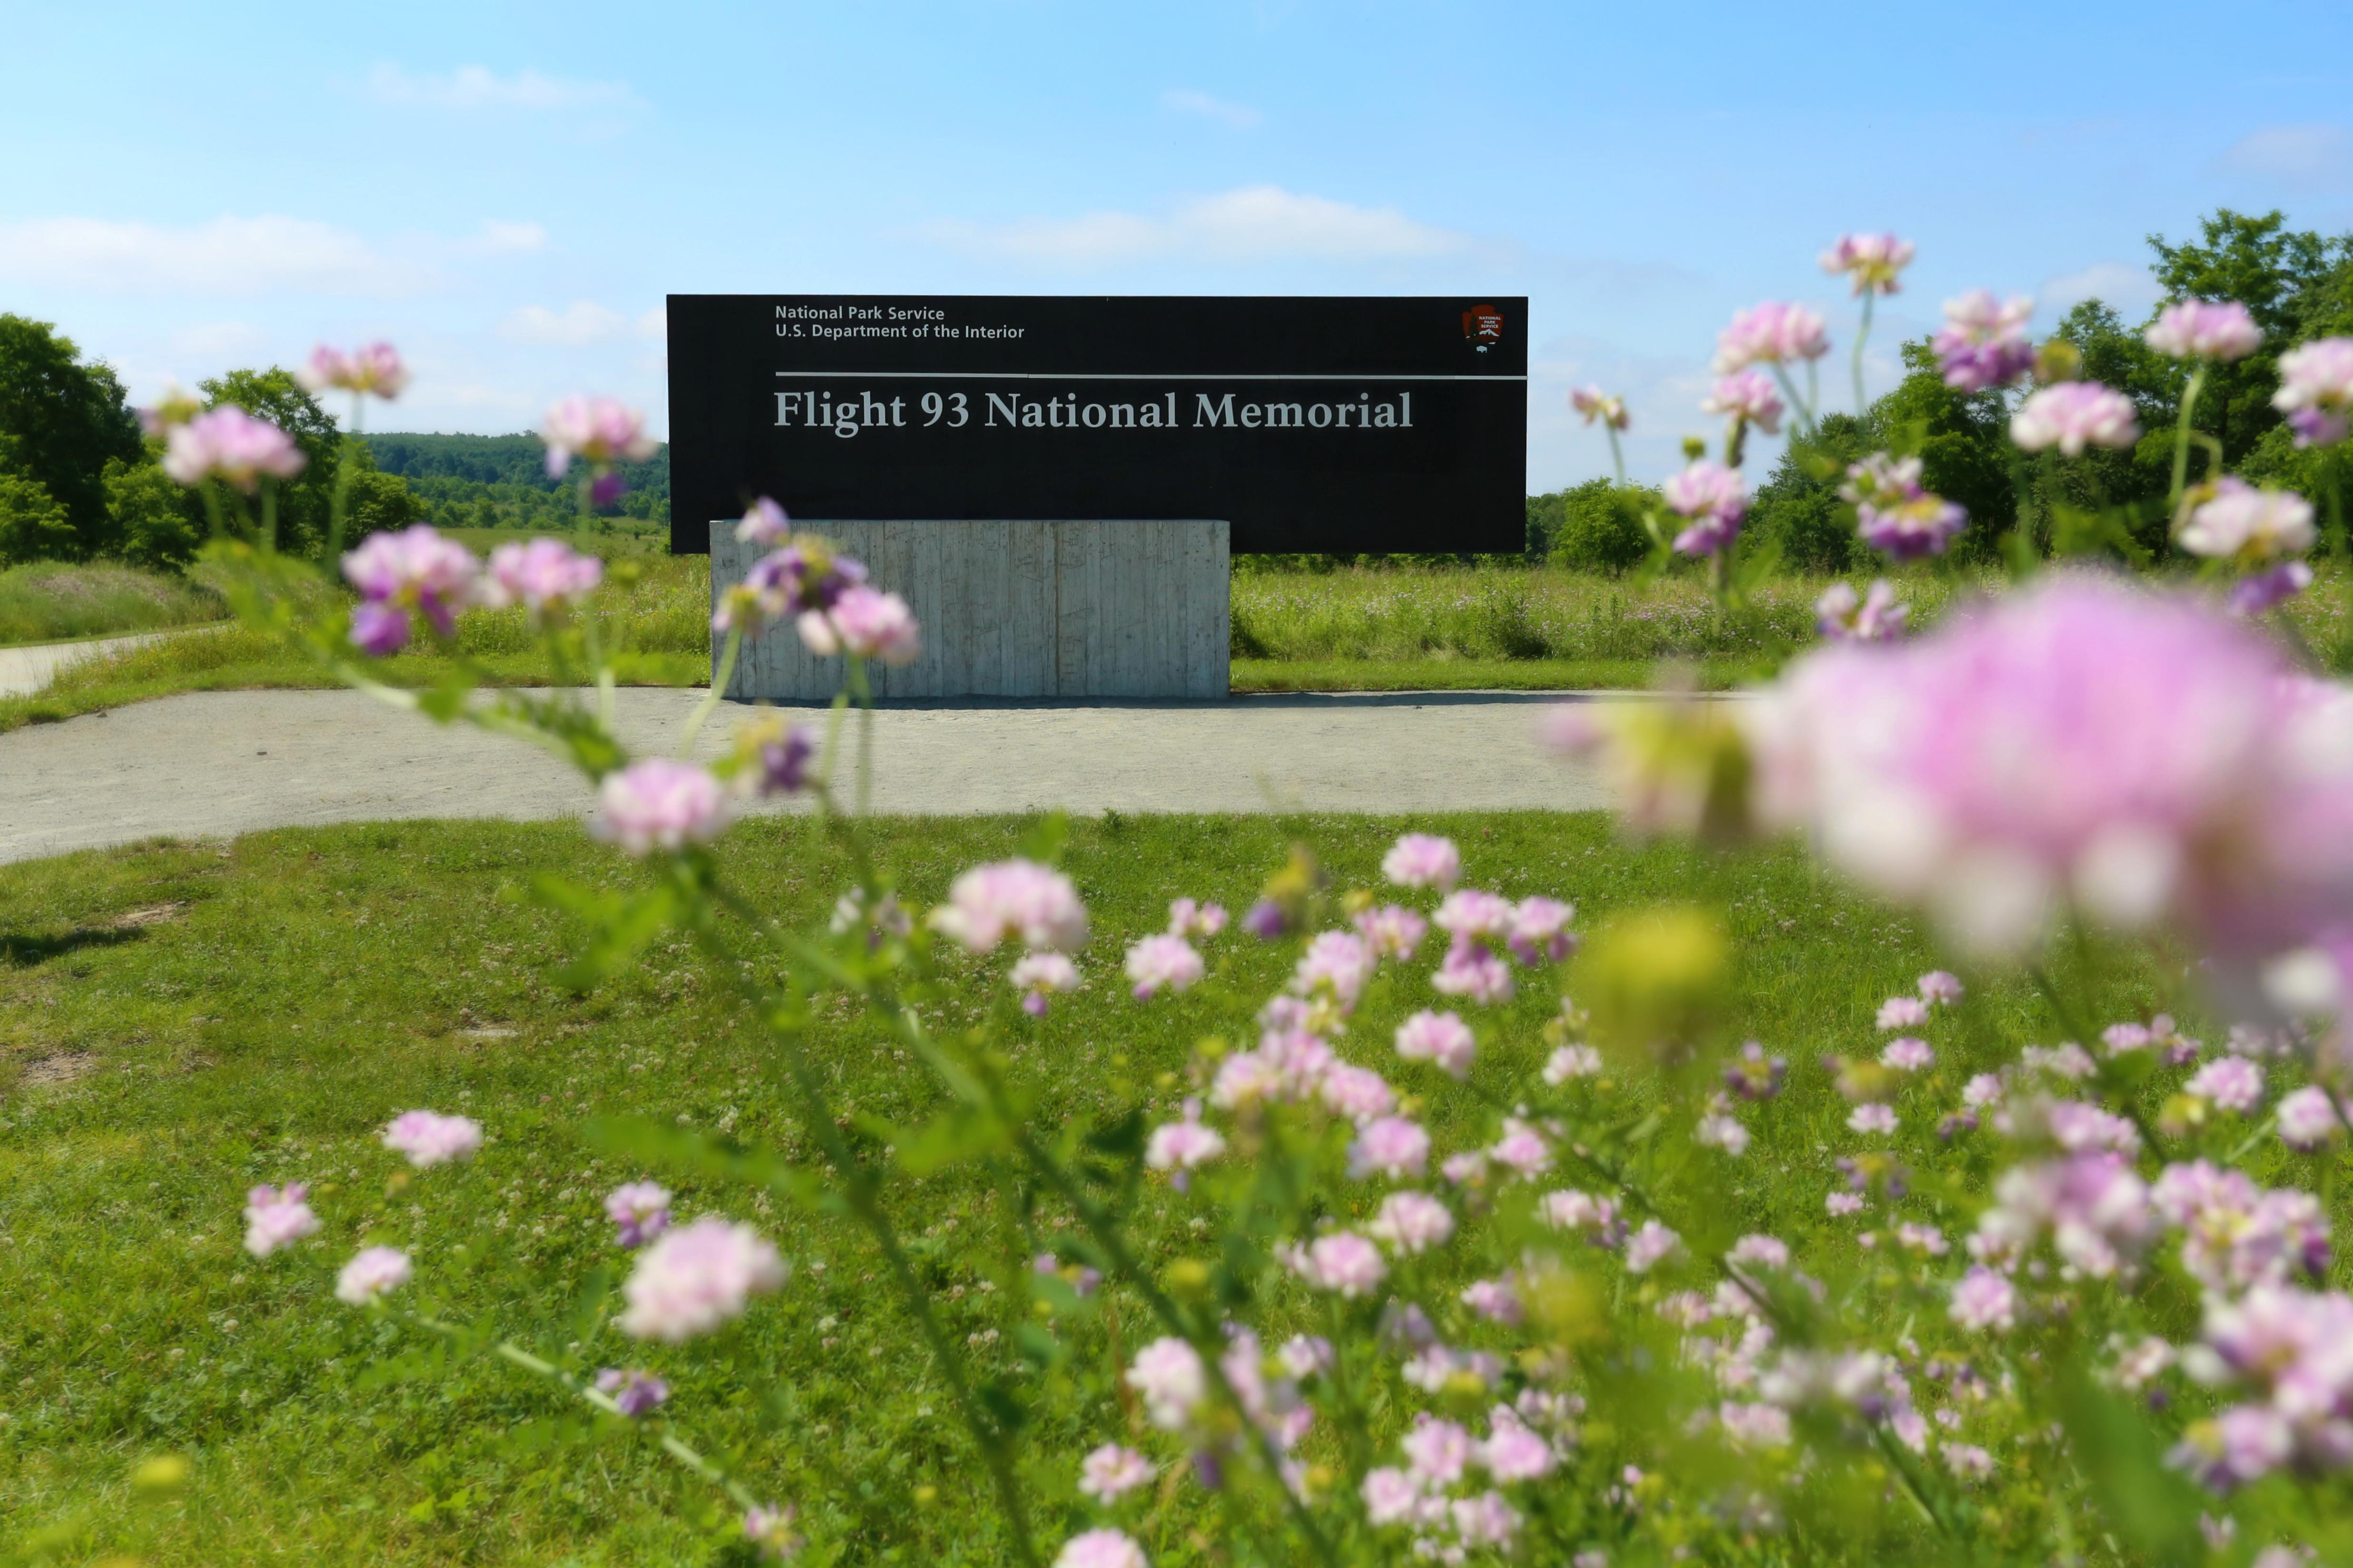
1326,424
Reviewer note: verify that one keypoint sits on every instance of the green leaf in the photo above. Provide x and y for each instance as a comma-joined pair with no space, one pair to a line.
621,924
2146,1503
959,1133
691,1152
1046,839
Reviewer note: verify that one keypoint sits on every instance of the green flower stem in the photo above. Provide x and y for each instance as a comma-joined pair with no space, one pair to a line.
2181,439
1799,406
1617,454
668,1442
1128,1267
861,1192
1861,336
339,506
719,679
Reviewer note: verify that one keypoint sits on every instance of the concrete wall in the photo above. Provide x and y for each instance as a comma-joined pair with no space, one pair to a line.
1017,609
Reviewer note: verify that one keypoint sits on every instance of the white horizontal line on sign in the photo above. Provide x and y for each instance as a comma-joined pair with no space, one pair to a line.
1122,375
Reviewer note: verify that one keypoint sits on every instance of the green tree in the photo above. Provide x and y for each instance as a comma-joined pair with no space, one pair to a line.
1799,507
2287,278
67,420
33,526
157,522
1598,526
303,501
379,501
1962,440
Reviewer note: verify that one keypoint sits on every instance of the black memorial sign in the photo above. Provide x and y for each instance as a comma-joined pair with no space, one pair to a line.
1335,425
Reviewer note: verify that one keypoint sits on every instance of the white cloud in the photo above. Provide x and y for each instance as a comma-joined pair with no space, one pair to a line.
579,323
227,256
479,87
218,340
583,322
497,238
1232,116
2129,290
2296,154
1257,223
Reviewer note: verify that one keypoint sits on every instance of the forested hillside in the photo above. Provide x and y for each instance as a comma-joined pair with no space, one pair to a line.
500,481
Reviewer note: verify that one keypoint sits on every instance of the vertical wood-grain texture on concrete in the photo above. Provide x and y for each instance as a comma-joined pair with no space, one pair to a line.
1017,609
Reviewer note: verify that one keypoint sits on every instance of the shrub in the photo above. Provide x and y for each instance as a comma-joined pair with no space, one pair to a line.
1601,528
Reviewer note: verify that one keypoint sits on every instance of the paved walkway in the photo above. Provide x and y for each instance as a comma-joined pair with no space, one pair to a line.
218,763
25,670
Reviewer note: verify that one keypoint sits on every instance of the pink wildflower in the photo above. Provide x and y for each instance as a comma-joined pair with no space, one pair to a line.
2245,523
863,624
377,369
1748,395
374,1273
1440,1039
1163,963
770,1532
1595,405
2219,330
1100,1549
1423,860
1494,1300
2234,1083
1036,976
1907,1055
656,802
413,569
229,444
2074,415
1869,1119
1939,987
1360,1094
639,1212
1984,1300
1902,1013
2308,1119
1396,1146
1337,964
1571,1061
1412,1222
2085,739
1771,333
1521,1149
1842,616
1168,1374
542,575
1651,1246
1181,1145
1539,930
1471,971
1715,502
1983,343
1016,898
1188,918
274,1219
764,523
428,1139
696,1277
2315,390
633,1393
602,430
1394,930
1873,260
1342,1262
1436,1451
1110,1472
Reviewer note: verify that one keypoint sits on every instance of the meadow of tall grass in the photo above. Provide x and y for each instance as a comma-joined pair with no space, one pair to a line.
49,601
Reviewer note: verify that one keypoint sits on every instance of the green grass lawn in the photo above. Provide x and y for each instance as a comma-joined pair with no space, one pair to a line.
179,1021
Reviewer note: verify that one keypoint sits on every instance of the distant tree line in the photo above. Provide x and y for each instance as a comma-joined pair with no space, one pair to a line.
500,481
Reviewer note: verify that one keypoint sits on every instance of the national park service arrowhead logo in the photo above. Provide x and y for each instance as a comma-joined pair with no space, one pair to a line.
1483,327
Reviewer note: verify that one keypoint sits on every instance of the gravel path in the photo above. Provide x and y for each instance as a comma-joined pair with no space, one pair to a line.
218,763
25,670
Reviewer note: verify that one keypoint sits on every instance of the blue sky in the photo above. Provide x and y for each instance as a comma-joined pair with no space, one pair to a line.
508,192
